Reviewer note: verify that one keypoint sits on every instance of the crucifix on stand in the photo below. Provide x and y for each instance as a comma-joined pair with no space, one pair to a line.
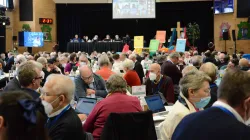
178,29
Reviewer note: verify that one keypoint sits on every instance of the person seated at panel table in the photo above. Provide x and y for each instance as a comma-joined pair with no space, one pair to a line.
76,39
159,84
86,39
194,96
89,84
107,39
116,101
117,39
95,39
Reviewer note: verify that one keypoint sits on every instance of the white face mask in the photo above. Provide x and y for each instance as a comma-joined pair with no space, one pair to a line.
82,63
48,108
64,65
152,76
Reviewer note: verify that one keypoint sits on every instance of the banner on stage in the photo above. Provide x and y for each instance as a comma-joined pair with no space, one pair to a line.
153,46
138,41
161,36
181,45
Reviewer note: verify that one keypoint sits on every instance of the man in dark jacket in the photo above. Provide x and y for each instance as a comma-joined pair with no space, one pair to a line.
89,84
170,69
138,67
63,122
226,119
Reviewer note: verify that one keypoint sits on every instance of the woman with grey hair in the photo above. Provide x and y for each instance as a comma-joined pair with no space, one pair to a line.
117,101
105,70
194,96
131,75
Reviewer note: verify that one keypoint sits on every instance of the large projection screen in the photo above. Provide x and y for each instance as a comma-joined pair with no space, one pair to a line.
133,9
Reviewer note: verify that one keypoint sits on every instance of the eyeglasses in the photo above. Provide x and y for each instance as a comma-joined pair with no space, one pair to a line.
39,77
87,78
207,90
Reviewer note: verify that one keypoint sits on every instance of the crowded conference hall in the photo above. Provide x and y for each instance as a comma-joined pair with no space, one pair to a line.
124,70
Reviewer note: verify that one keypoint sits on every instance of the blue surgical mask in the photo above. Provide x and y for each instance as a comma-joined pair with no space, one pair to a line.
203,102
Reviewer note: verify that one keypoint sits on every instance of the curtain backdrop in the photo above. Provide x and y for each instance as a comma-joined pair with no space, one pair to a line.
91,19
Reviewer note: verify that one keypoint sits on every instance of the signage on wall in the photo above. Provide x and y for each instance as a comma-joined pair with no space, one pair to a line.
45,21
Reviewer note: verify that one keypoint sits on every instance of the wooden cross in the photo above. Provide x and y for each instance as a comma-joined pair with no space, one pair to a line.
178,29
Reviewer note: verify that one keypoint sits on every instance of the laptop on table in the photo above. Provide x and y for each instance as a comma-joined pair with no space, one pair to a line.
85,105
155,104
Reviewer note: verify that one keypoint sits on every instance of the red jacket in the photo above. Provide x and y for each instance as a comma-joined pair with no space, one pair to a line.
115,103
132,78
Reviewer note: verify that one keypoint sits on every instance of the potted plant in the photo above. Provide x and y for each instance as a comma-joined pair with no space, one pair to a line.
193,33
26,28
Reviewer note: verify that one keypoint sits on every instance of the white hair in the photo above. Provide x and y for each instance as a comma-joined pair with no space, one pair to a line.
129,64
61,84
20,58
103,60
52,54
132,56
42,60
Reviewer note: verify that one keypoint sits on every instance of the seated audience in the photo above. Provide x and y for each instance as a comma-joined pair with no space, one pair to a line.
117,66
130,75
146,62
211,70
88,83
137,67
83,60
194,96
71,64
123,57
210,58
105,70
52,68
19,60
29,77
196,61
21,117
244,64
159,84
233,63
226,119
170,69
63,122
188,69
116,102
221,62
10,61
43,61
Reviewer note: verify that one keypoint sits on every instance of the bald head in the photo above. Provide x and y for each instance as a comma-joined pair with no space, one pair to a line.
155,68
243,62
86,74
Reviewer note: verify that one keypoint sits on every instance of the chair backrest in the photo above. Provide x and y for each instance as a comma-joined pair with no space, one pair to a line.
129,126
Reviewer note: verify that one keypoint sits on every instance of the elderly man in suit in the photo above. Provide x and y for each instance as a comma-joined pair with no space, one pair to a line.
63,122
170,69
138,67
228,117
89,84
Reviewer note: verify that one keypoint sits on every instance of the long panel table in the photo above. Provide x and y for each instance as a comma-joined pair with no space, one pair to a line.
98,46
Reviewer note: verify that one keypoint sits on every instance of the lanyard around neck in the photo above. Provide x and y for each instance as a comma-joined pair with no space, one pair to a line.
58,116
